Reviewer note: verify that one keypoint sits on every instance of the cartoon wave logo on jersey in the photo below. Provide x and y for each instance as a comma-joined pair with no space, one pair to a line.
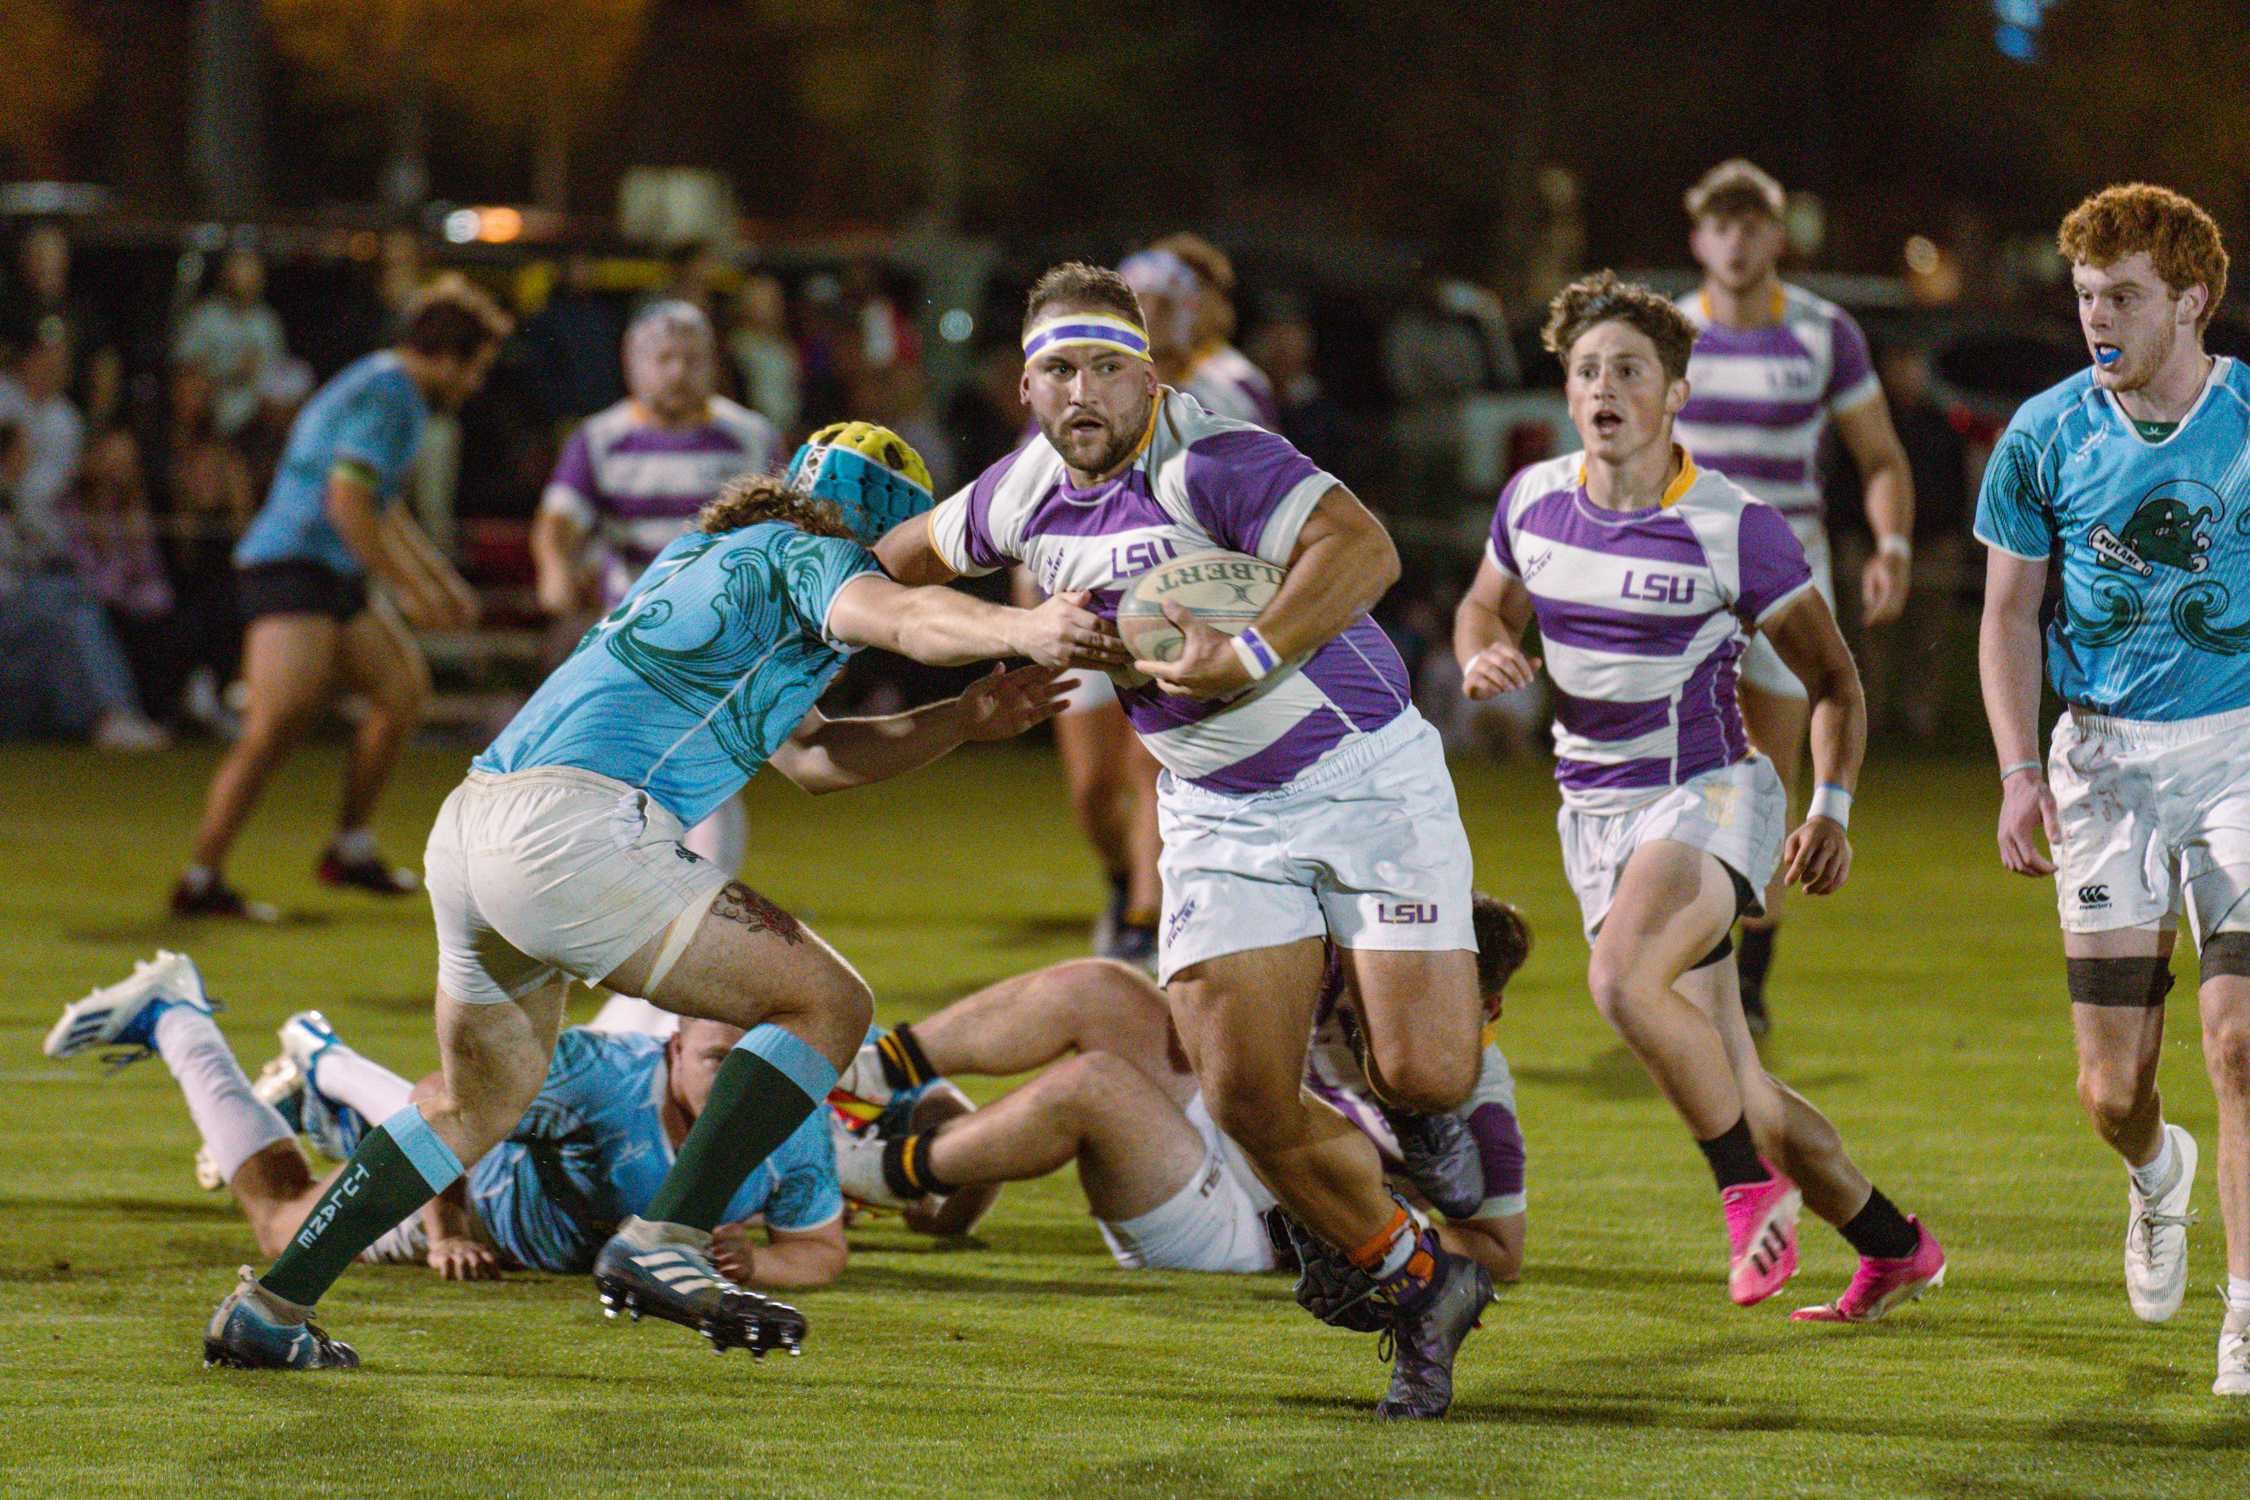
2163,530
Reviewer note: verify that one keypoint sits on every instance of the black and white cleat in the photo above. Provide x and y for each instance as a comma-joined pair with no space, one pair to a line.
666,1272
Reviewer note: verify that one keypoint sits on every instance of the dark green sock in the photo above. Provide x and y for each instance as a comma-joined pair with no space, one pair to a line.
766,1088
399,1166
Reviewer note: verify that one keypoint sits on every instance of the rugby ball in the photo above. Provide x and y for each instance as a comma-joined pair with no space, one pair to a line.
1225,590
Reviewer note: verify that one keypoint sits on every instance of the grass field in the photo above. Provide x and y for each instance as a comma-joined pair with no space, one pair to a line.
1920,1007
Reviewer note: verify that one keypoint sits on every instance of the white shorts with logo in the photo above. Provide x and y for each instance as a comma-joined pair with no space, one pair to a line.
553,871
1762,666
1367,849
1734,814
1215,1223
2155,821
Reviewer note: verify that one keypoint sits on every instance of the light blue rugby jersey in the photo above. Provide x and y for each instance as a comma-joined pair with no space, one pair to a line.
703,669
371,416
2154,539
591,1150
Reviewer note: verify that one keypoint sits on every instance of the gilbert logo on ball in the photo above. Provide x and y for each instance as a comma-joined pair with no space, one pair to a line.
1225,590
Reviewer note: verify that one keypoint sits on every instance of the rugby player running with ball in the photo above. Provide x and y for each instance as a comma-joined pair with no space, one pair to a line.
1315,809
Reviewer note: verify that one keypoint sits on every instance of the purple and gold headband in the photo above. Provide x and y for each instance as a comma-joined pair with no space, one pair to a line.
1101,329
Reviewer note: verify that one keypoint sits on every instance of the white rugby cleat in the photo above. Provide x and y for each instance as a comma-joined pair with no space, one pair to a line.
2234,1351
2156,1239
334,1128
124,1014
859,1166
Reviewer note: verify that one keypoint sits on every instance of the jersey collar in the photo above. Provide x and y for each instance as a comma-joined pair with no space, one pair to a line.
1680,485
2212,380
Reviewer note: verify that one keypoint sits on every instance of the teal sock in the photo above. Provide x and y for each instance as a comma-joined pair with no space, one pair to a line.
766,1088
399,1166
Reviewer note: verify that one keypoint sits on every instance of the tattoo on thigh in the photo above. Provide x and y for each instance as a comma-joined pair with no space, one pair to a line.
739,903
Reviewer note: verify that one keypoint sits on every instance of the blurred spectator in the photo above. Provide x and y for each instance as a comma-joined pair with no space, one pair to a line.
214,495
765,358
1448,342
61,669
39,307
986,417
1908,661
235,339
113,547
1186,285
572,343
1283,347
49,440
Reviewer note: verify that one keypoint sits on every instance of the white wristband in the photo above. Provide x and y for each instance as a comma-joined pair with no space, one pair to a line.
1256,657
2010,769
1895,545
1832,802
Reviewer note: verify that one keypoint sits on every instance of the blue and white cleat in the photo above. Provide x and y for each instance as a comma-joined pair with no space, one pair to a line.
334,1127
123,1014
244,1336
665,1271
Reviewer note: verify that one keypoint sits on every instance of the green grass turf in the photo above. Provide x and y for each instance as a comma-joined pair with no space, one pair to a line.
1921,1008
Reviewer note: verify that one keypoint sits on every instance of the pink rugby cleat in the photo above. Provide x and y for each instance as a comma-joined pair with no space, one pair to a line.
1880,1285
1761,1236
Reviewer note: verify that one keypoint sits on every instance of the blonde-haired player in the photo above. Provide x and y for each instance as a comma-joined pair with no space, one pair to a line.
2136,473
1774,368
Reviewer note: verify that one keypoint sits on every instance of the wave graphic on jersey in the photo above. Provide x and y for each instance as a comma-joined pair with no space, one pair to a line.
713,678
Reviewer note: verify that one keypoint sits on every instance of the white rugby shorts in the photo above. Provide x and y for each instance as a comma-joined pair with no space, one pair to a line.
2155,821
1762,666
1213,1223
553,871
1367,849
1089,690
1735,814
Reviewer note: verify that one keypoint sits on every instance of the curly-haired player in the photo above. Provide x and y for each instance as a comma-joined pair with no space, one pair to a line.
1645,572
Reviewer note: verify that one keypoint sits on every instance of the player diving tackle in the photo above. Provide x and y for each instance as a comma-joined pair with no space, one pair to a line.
559,858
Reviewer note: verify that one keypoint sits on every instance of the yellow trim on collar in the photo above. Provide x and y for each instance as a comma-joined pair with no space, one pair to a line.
1672,492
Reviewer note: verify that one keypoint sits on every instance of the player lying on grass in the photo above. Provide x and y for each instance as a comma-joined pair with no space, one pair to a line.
1170,1191
559,858
588,1154
1306,802
1643,573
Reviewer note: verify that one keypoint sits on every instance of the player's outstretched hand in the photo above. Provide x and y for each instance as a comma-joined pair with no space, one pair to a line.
2027,808
1001,704
1063,632
1818,856
464,1260
1207,666
1882,588
1499,668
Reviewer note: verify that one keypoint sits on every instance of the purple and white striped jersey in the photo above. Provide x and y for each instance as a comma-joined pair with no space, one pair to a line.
1335,1075
636,486
1229,385
1760,398
1641,617
1200,481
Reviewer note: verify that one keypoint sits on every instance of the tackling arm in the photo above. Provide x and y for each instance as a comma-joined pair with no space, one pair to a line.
831,755
811,1257
945,627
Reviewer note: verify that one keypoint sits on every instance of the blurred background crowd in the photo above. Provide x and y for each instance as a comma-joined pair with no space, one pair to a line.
857,200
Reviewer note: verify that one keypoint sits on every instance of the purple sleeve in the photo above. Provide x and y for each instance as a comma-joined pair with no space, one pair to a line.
1499,1148
1503,546
1770,561
1236,481
1851,372
575,470
977,539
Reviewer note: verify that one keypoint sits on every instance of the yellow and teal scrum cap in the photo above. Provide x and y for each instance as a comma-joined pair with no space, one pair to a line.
1104,330
873,476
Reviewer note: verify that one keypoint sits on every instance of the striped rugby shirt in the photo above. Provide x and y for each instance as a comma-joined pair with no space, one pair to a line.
1200,481
636,486
1641,617
1224,380
1759,399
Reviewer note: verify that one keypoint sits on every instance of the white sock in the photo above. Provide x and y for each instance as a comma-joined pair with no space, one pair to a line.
235,1123
2238,1292
198,877
624,1015
354,844
360,1083
2160,1173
